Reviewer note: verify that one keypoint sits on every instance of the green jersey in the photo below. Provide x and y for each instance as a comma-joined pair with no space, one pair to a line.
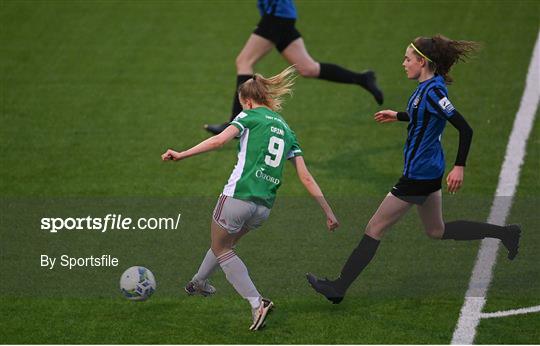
266,141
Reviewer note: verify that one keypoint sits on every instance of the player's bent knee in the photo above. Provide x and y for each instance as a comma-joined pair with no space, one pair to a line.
308,70
373,231
219,248
435,233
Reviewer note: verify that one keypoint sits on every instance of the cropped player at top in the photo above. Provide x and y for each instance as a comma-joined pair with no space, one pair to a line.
266,142
277,29
427,60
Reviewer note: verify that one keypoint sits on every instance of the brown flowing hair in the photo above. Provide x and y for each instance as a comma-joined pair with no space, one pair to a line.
269,91
445,52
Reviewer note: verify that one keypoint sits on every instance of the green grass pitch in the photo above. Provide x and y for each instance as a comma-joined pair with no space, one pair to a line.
93,92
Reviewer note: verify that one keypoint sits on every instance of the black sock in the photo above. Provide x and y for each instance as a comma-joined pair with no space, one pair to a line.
336,73
237,107
357,261
471,230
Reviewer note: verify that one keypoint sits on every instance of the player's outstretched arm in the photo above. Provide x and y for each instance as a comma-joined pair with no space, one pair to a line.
209,144
313,188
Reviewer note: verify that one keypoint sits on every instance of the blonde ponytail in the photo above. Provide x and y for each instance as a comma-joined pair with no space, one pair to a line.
269,91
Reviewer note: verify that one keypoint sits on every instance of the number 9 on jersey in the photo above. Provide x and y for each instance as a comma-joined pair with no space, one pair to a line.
276,146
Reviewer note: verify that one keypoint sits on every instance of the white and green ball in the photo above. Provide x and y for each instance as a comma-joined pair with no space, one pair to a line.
137,283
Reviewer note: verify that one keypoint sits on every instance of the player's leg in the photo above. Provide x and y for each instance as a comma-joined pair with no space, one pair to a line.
430,213
199,283
259,216
234,268
509,235
389,212
254,49
237,274
297,54
233,220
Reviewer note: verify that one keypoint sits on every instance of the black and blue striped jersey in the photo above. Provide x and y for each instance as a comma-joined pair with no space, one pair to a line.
278,8
429,109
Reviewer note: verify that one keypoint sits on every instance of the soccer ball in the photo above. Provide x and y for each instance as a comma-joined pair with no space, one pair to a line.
137,283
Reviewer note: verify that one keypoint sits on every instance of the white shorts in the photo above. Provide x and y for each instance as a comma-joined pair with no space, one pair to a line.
234,214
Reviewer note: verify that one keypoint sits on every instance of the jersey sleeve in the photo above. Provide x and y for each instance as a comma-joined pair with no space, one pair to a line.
295,149
439,102
465,137
242,122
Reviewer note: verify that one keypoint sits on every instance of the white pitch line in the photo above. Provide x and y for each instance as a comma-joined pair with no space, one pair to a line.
475,298
510,312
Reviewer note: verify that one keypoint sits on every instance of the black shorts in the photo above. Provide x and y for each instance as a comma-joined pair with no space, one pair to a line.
280,31
415,191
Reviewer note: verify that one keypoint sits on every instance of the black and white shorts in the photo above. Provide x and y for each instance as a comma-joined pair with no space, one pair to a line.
415,191
281,31
234,214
